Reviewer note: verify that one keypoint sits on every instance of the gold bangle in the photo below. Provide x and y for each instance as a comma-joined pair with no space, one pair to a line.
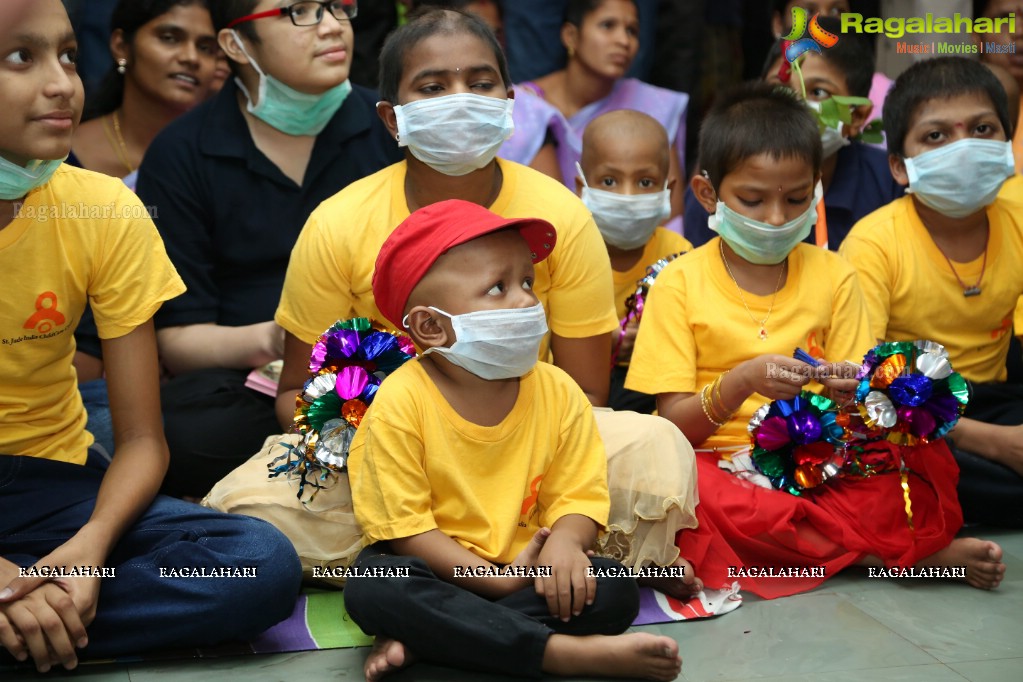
718,401
707,409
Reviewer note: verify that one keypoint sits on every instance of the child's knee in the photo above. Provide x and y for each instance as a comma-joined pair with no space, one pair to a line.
617,595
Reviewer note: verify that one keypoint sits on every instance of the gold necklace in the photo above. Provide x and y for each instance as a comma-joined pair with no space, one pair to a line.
975,289
762,324
121,147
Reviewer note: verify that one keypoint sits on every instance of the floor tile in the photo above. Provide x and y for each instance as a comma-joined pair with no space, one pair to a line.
1003,670
102,672
914,673
952,622
799,635
309,666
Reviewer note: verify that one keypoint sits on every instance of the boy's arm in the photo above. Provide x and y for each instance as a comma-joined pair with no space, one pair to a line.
293,377
570,586
453,563
131,482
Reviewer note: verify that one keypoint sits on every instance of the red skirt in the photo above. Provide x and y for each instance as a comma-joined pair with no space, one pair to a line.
744,526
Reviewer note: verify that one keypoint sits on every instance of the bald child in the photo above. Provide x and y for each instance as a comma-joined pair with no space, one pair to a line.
623,180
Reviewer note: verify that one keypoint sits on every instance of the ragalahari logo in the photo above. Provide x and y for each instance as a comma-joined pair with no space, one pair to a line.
799,43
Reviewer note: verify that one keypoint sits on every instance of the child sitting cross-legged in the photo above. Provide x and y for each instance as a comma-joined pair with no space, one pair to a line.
475,457
718,333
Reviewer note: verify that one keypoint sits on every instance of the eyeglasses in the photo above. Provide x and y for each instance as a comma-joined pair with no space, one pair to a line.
308,13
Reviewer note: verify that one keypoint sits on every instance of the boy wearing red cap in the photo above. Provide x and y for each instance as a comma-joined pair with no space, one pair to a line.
478,475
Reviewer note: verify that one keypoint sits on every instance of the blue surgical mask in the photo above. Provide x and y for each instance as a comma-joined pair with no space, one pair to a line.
496,344
17,181
960,178
626,221
288,110
759,242
455,134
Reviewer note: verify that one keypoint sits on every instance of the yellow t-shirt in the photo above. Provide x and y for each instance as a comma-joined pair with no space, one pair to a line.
330,273
80,236
912,292
695,325
662,244
416,465
1013,189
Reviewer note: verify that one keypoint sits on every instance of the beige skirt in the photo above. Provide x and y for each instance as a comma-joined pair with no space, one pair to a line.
651,479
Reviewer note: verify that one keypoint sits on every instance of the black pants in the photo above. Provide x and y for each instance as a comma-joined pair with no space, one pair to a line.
621,398
444,624
213,423
990,492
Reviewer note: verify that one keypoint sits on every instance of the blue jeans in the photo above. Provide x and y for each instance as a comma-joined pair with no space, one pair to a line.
45,502
97,409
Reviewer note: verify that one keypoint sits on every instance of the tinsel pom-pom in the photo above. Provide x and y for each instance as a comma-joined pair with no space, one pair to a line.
347,364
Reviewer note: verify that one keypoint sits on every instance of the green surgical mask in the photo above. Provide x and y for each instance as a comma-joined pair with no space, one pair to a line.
288,110
17,181
759,242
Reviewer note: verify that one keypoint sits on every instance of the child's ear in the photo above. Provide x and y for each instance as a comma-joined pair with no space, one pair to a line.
860,118
704,193
776,25
385,110
424,329
897,165
578,185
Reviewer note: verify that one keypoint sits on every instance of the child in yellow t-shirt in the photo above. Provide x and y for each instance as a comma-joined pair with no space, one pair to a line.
623,180
943,263
475,460
92,534
719,330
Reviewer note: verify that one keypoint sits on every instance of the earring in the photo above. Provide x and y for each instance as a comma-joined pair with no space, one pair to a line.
571,52
122,66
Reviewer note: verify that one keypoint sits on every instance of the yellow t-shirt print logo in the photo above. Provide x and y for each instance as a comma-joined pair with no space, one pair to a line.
534,493
46,315
799,42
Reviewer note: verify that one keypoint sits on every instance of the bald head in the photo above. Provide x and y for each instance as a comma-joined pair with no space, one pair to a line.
610,134
1011,86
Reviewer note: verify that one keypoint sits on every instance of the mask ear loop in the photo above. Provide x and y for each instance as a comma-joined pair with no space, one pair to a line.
582,176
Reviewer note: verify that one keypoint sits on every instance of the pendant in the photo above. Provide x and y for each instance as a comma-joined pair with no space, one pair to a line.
763,334
971,291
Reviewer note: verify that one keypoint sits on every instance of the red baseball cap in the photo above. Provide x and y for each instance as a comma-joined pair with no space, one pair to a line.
424,236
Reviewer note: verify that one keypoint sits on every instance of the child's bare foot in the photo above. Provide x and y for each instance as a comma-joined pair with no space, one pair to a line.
680,588
982,559
387,656
633,655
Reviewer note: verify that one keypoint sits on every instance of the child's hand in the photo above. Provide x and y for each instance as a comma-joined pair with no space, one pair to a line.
628,340
45,624
777,377
530,554
840,380
570,586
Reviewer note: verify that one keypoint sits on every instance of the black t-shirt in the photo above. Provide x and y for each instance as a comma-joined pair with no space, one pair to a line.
229,217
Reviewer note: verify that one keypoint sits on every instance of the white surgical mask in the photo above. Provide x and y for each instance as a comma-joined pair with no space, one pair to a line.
626,221
759,242
496,344
288,110
455,134
832,139
17,181
960,178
